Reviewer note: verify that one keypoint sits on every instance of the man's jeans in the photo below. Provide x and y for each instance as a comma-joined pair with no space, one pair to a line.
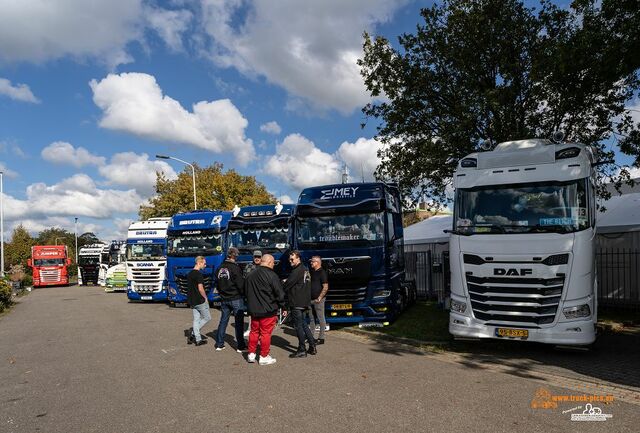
201,316
302,329
237,308
317,313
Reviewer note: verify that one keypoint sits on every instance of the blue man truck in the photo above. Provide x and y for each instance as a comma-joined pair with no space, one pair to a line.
357,230
147,260
192,234
265,228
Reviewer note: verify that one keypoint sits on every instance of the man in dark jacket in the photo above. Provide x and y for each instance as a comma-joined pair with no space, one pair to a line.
298,290
231,290
264,298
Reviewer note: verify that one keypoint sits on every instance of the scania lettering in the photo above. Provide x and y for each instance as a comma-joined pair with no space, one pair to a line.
265,228
49,265
192,234
89,264
147,260
523,244
357,230
113,270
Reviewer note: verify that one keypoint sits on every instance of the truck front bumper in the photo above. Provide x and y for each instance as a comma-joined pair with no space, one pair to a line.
574,333
157,297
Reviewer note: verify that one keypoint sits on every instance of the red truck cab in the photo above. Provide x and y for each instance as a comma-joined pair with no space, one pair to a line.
49,264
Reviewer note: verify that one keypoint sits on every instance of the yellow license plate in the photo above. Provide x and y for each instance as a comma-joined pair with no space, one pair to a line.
514,333
341,306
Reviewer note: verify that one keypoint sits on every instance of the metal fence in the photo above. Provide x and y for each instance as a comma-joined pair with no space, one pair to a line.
430,271
618,276
618,280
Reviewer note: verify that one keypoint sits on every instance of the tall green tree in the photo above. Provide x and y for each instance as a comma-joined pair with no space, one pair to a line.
497,70
18,249
216,189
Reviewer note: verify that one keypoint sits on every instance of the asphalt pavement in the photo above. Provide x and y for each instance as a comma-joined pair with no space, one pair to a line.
76,359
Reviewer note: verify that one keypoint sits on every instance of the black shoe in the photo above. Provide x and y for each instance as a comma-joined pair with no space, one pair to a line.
312,350
189,334
200,343
319,341
298,354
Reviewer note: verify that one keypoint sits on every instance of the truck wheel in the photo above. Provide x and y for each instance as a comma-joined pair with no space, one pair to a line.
172,304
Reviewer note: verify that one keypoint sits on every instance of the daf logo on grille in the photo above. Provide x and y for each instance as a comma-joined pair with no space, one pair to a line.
512,272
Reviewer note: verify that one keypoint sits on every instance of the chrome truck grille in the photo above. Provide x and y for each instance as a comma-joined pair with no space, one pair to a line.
50,276
147,276
515,301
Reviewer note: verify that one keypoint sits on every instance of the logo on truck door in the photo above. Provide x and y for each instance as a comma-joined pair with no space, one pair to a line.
512,272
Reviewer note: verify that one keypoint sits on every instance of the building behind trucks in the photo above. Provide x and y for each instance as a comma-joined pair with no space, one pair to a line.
522,248
49,264
357,230
147,260
265,228
192,234
89,264
113,271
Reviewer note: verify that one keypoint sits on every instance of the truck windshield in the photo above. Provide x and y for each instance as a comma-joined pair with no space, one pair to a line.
266,239
88,260
48,262
194,245
341,231
145,252
546,207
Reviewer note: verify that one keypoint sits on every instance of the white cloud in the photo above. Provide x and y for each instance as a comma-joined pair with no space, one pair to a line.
271,128
134,170
134,103
308,48
37,31
361,157
7,171
61,152
285,199
170,25
19,92
76,196
34,226
299,163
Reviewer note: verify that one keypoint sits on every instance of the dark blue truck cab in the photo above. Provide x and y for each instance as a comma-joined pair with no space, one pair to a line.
192,234
265,228
357,230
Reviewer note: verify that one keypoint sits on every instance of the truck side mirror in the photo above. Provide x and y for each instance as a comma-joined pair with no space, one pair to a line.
29,263
68,262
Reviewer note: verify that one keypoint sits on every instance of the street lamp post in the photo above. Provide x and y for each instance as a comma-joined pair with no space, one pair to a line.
193,175
1,225
76,232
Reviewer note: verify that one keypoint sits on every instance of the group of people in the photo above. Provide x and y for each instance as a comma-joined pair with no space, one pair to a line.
260,292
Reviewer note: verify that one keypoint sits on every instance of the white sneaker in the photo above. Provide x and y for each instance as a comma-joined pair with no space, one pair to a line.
251,357
267,360
246,333
218,349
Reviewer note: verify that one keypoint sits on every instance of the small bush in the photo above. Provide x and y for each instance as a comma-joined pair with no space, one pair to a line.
5,295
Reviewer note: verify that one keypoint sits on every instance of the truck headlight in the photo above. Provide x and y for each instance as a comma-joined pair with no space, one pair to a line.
577,312
382,293
458,307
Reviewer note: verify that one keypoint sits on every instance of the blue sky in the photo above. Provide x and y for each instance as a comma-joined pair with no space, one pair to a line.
91,90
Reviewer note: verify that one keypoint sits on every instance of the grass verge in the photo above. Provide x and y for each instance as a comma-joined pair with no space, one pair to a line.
423,321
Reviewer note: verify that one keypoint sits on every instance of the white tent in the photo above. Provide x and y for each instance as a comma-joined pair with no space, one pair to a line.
428,231
622,214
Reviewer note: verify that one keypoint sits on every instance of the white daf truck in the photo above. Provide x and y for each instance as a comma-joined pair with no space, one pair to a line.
147,260
522,246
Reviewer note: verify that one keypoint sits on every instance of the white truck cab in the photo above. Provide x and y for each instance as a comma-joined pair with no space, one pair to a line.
147,260
522,248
